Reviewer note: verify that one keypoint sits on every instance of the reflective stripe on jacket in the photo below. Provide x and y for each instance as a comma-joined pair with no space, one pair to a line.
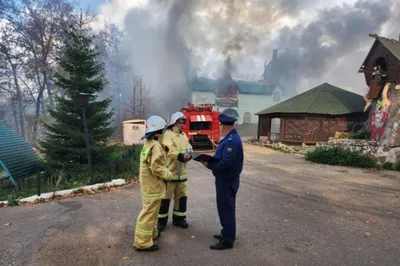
153,172
176,142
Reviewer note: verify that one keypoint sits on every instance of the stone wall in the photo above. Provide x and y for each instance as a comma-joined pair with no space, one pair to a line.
367,147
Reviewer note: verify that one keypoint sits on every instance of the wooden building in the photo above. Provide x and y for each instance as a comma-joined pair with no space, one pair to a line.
384,53
314,115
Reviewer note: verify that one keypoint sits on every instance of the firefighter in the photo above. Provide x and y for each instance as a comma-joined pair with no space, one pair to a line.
177,148
152,177
227,173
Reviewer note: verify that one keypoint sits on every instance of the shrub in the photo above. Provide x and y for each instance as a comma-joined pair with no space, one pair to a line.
12,200
349,135
338,156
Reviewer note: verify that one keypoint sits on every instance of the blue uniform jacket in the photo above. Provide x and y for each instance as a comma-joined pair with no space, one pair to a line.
230,153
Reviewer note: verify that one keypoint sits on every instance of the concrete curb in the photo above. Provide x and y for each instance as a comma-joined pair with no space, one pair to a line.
46,196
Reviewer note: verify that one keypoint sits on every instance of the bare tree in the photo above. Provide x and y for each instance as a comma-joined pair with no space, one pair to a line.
111,46
11,55
140,99
39,25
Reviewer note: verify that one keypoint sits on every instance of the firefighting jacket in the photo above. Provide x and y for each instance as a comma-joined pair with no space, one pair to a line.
176,143
153,172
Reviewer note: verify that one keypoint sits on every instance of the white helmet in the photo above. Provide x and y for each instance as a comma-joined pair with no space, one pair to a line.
154,123
175,117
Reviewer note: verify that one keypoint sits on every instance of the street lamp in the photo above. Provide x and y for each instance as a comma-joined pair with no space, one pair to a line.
82,100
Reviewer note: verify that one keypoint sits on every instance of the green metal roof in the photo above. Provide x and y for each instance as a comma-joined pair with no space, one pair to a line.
202,84
17,155
323,99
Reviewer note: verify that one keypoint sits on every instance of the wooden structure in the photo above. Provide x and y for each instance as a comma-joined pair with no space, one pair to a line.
17,158
381,68
314,115
384,53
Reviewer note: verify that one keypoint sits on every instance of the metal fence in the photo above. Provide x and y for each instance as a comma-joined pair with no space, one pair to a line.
125,166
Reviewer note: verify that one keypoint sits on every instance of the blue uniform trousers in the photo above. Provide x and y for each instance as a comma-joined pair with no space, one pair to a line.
226,205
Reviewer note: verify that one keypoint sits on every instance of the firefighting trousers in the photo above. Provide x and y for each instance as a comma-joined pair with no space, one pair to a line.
178,191
146,224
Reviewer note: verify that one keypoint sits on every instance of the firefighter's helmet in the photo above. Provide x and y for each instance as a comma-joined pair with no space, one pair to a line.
153,124
175,117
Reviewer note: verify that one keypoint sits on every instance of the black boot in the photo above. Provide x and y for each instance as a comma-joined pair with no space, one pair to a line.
160,227
218,237
149,249
182,224
221,245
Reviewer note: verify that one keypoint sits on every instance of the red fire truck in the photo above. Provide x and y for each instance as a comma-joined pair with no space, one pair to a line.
202,126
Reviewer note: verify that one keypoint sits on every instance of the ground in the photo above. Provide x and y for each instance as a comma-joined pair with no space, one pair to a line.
289,212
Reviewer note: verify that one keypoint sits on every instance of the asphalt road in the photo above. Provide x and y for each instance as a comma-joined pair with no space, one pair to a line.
289,212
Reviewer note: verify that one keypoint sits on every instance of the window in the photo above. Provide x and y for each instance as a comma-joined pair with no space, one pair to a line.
247,118
277,96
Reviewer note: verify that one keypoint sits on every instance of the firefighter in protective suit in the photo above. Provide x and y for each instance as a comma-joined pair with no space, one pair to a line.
177,148
152,177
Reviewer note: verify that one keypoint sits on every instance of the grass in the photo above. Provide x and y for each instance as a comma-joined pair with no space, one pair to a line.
123,163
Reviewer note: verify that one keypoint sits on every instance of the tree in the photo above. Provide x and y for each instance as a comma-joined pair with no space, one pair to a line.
140,99
11,58
38,26
111,41
83,73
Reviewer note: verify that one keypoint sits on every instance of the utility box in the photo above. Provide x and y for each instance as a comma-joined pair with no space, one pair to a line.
133,131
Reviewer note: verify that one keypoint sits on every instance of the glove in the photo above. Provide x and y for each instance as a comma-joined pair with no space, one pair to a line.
181,157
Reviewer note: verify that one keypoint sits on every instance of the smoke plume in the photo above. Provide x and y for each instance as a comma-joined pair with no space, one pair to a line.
325,44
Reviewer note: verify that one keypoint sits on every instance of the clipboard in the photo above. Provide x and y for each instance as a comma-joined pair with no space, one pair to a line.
203,157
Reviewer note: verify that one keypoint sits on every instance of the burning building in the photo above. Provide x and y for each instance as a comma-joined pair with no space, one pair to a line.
243,99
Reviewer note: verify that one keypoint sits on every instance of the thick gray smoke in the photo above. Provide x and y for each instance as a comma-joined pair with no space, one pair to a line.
308,52
236,36
159,53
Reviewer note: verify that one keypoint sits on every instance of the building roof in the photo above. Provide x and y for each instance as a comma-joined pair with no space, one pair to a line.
255,88
16,154
392,45
323,99
202,84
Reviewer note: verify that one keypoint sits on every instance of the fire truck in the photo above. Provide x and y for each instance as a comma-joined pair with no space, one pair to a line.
202,126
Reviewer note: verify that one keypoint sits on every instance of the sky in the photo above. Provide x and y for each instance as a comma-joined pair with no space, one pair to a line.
318,40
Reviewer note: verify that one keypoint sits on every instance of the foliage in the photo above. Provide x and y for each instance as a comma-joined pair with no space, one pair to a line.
12,201
342,157
349,135
123,163
64,144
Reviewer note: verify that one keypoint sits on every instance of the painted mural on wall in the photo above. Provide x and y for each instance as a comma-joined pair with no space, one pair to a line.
378,121
385,119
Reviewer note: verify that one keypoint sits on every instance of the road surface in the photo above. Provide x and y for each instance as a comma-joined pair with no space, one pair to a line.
289,212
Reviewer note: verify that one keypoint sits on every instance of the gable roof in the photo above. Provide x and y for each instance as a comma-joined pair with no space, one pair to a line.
392,45
324,99
16,154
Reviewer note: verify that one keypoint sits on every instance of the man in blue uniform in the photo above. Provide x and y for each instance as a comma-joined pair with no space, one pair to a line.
227,173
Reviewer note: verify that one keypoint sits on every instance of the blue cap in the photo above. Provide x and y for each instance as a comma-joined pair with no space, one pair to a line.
226,119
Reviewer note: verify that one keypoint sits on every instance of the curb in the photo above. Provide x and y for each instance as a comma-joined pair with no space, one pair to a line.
49,195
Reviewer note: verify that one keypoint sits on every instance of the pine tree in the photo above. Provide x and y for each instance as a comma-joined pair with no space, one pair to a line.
81,72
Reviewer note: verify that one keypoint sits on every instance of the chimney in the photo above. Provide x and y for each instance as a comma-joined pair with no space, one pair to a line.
275,54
